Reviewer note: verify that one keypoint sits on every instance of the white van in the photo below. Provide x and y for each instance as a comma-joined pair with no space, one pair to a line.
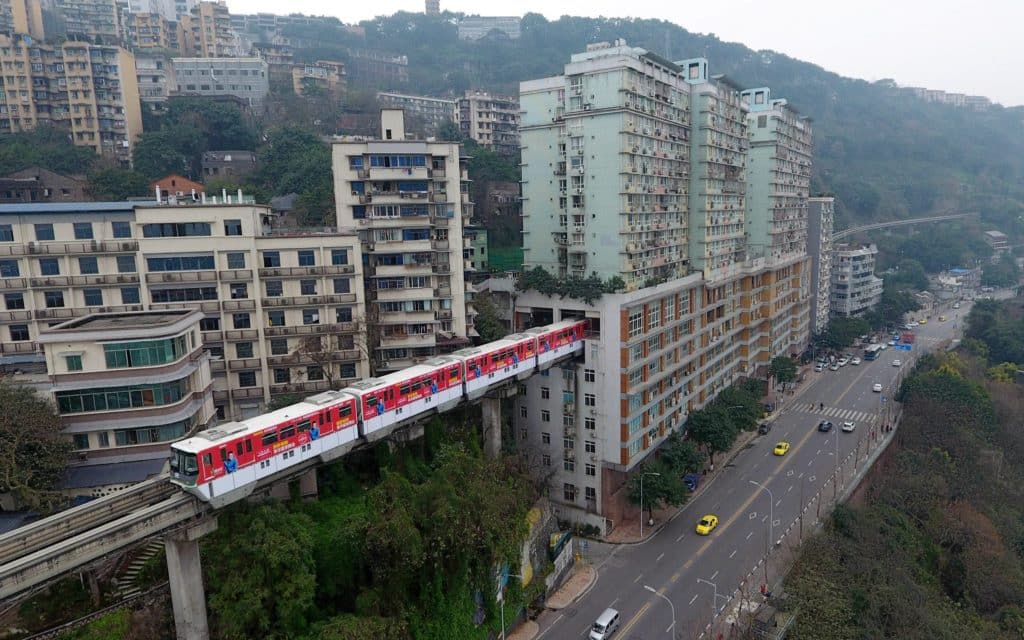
605,625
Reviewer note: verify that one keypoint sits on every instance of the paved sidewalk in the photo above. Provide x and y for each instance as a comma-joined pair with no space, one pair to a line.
583,577
629,532
526,631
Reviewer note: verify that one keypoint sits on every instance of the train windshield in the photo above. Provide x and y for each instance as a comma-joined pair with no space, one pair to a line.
184,464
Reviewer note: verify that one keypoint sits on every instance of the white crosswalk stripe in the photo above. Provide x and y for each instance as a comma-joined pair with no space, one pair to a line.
835,412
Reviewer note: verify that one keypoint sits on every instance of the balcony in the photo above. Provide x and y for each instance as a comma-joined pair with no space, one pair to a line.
13,283
239,334
243,394
408,340
50,281
399,173
11,316
235,274
60,248
51,314
182,276
18,347
238,305
281,272
243,363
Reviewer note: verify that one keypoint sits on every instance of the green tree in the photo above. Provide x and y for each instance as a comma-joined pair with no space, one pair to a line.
713,429
261,584
1002,273
488,322
843,332
295,160
449,131
48,147
680,455
117,184
783,369
221,126
161,153
33,450
353,627
662,487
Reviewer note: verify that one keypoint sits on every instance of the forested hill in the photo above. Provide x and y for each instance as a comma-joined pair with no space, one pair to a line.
884,153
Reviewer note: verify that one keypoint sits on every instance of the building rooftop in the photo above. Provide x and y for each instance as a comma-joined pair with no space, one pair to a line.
117,321
49,208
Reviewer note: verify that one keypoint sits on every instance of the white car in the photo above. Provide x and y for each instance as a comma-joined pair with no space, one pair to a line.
892,343
877,387
884,346
819,367
855,361
844,362
897,363
956,305
849,426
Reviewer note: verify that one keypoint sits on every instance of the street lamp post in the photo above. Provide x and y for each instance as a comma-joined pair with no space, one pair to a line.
714,601
771,524
671,606
835,474
645,473
511,575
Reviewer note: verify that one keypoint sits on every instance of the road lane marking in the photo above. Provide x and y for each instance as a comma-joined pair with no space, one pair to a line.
638,578
750,534
732,554
675,576
681,536
694,599
658,559
714,575
789,489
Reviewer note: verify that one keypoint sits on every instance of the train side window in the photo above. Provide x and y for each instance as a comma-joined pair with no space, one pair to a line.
403,390
371,401
453,374
208,460
269,438
223,454
288,432
416,385
248,446
238,449
345,411
303,427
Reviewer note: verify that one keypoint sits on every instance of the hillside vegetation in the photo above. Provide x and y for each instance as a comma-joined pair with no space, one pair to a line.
884,153
937,551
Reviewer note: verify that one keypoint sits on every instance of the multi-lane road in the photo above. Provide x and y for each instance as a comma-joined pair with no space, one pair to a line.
700,575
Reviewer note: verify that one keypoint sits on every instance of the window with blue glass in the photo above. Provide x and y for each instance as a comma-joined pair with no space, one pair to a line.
343,314
14,301
6,233
49,266
176,229
241,320
355,162
415,210
339,256
130,295
415,234
397,161
116,398
271,259
358,187
412,185
359,211
390,259
93,297
236,260
54,299
9,269
275,288
126,264
232,227
341,285
189,294
307,259
88,265
180,263
83,230
121,229
44,231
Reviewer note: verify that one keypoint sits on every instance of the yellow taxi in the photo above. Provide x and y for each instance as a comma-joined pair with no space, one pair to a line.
781,449
706,525
923,321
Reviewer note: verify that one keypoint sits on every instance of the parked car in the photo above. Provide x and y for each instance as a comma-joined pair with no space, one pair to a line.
956,305
819,367
849,426
855,361
764,428
897,363
834,367
692,481
824,426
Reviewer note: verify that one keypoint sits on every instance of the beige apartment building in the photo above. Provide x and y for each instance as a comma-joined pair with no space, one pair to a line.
409,201
325,76
491,120
126,384
282,309
151,31
97,21
91,89
22,16
207,32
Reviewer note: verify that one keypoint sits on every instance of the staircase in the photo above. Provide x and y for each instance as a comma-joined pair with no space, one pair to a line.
127,579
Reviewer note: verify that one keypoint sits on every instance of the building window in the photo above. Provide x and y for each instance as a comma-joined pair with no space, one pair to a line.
19,332
49,266
590,493
88,265
241,320
9,269
522,411
546,460
589,399
14,300
339,256
176,230
545,438
568,443
144,353
271,259
83,230
307,287
81,440
307,259
54,299
569,492
104,439
545,415
275,318
181,263
341,285
232,227
310,316
279,346
126,264
343,314
44,232
129,295
568,465
73,363
590,446
243,349
314,372
93,297
147,435
239,291
590,469
588,375
282,375
545,393
589,423
275,288
140,396
121,229
6,233
636,323
210,324
236,260
246,378
654,315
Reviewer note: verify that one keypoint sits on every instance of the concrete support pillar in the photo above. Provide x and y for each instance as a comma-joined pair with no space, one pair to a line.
492,426
307,485
185,574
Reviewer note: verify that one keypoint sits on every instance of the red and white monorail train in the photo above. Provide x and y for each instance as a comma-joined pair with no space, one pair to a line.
225,463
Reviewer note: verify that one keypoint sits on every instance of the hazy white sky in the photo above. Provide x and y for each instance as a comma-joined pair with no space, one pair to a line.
962,46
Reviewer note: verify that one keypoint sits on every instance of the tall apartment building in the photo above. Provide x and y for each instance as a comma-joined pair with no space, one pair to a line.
126,384
22,16
855,287
91,89
432,7
367,67
97,21
151,31
155,79
164,8
207,32
323,76
434,112
491,120
409,201
638,167
820,224
281,308
244,78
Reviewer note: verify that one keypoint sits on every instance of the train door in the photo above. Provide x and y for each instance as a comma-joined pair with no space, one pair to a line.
246,471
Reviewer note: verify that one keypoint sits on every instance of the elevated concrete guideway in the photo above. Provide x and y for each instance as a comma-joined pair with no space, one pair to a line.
839,235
